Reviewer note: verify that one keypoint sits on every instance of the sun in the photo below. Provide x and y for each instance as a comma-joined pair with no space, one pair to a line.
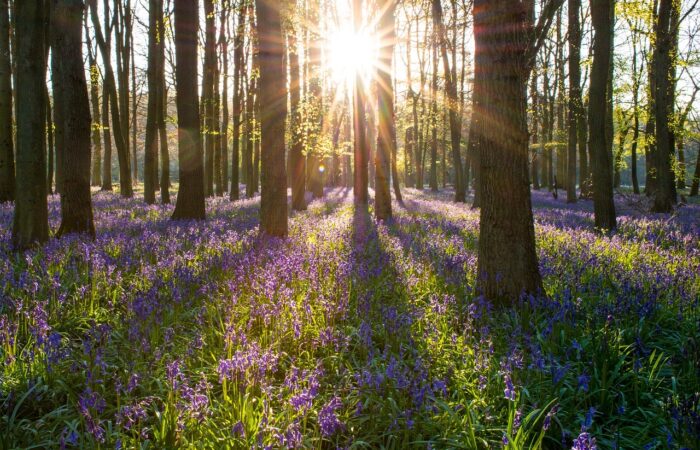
352,53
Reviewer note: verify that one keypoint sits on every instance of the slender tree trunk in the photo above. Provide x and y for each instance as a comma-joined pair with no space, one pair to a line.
239,72
31,223
297,163
575,106
361,149
7,153
208,95
162,112
49,141
111,91
453,105
190,198
224,40
150,171
75,124
603,203
273,201
385,108
433,119
96,178
534,165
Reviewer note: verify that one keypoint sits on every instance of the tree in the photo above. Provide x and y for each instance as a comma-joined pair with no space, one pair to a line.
575,102
385,107
150,169
75,121
7,153
208,94
297,163
239,72
664,194
190,198
452,104
96,178
110,87
361,147
506,43
273,105
31,222
603,203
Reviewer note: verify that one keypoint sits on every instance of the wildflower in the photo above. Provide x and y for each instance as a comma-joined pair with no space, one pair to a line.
238,429
584,441
327,418
509,391
583,381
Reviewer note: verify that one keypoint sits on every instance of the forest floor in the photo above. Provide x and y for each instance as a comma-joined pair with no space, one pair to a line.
350,333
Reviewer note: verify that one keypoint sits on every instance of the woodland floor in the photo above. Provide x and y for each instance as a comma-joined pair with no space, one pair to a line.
350,333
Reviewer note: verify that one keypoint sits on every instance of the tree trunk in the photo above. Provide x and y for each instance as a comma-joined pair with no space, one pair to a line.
162,112
575,107
453,105
31,223
297,163
72,99
534,165
190,198
208,95
111,90
361,149
223,39
432,118
664,197
7,153
272,93
150,170
507,263
603,202
696,176
96,178
385,109
239,72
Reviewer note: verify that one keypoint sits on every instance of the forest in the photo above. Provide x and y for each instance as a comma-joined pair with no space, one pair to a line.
351,224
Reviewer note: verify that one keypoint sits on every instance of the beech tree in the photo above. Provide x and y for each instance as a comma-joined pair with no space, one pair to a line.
75,121
603,204
506,43
190,197
273,108
31,222
7,151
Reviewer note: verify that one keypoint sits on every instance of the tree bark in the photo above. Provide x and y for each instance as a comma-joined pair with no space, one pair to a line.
297,163
575,106
361,147
385,108
208,95
507,262
453,105
190,198
7,153
239,72
111,91
273,103
603,202
75,124
664,196
150,170
31,223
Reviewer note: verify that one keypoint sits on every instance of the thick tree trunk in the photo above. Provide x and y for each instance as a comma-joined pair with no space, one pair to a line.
696,176
603,202
273,103
162,112
575,106
385,108
190,198
7,153
664,196
72,99
31,223
507,264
